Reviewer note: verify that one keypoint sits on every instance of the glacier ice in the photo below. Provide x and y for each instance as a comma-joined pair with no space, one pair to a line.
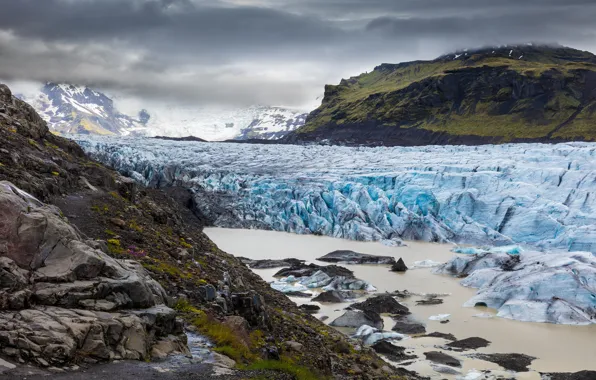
371,335
531,286
439,317
322,280
523,194
510,249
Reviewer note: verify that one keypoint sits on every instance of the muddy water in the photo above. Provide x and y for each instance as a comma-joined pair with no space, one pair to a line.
558,348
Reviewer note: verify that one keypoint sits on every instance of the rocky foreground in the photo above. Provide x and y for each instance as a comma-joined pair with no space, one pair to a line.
94,268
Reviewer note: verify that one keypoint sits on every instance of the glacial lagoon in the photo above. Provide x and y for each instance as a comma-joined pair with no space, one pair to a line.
559,348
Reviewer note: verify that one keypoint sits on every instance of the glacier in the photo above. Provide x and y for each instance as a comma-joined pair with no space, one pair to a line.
537,195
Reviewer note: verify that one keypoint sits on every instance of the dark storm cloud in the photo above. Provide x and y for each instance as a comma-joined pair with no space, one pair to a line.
259,51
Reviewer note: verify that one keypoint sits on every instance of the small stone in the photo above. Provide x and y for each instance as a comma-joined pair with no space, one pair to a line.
293,346
222,361
118,222
356,370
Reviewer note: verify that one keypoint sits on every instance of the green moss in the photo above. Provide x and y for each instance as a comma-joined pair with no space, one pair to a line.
133,225
184,244
583,126
50,145
225,339
158,266
182,305
285,366
33,144
114,247
110,233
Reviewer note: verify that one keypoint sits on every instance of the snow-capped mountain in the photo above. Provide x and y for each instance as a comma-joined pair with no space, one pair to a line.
224,123
82,110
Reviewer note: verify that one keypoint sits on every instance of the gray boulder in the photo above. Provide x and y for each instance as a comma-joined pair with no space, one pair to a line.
357,318
409,328
60,298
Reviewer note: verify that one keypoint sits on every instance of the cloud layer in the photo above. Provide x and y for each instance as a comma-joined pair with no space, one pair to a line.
241,52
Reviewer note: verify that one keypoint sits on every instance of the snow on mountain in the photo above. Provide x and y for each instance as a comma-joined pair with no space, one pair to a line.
81,110
223,123
540,195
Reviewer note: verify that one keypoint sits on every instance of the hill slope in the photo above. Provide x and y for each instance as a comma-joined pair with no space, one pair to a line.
134,231
491,95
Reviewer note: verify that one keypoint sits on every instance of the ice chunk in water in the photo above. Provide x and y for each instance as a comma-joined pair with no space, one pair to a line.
531,286
439,317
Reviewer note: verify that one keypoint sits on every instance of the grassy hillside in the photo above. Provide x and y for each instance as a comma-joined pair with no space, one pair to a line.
526,93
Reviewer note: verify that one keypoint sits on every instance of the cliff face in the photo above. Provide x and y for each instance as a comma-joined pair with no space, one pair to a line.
511,94
104,268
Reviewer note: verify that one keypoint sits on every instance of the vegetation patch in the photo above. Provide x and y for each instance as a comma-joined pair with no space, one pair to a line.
285,366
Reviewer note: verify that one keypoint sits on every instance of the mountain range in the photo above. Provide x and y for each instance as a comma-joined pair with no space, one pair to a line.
74,109
522,93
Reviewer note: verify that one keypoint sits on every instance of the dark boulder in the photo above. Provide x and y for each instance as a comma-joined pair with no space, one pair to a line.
469,344
336,296
391,351
311,309
298,294
441,335
399,266
511,362
441,358
409,328
307,270
382,304
581,375
430,301
268,264
356,258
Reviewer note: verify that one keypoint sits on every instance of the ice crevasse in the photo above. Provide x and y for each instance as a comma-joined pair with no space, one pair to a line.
533,194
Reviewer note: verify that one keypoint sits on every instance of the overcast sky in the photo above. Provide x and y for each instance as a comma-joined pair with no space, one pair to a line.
272,52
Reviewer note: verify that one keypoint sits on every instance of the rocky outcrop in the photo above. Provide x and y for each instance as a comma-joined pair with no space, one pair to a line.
61,299
520,93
